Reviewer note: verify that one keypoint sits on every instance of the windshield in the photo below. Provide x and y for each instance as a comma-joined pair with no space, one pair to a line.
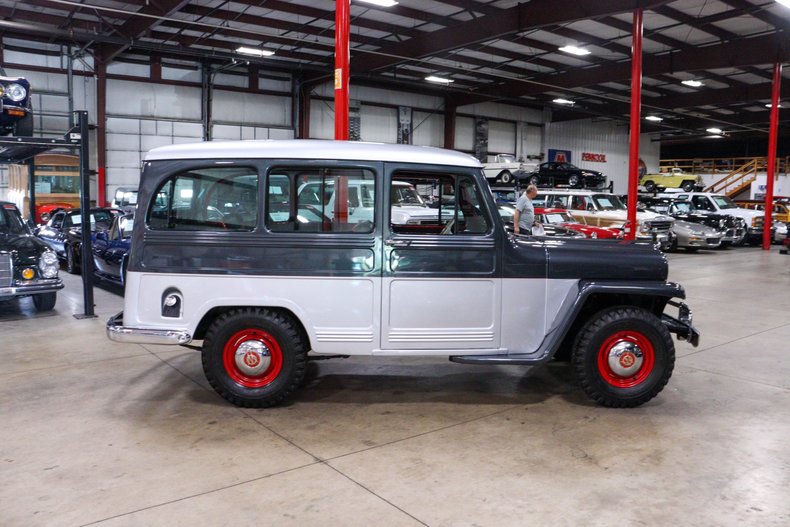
723,202
101,216
406,195
608,202
558,217
128,197
11,222
683,206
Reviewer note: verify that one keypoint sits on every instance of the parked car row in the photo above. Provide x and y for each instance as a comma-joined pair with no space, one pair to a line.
504,169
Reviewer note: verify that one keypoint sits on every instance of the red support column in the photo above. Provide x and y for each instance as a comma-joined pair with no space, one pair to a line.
772,139
636,108
342,59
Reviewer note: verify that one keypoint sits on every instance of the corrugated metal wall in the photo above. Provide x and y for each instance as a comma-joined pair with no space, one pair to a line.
601,137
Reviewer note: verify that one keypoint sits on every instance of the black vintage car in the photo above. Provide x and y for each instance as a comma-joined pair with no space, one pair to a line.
555,174
27,266
16,113
56,233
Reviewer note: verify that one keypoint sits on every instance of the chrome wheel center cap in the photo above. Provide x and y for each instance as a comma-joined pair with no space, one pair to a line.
625,359
253,357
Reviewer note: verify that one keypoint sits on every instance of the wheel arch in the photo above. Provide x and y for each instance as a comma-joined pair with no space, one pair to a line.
212,314
595,297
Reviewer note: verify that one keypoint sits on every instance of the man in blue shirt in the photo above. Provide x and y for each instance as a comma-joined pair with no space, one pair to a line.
524,218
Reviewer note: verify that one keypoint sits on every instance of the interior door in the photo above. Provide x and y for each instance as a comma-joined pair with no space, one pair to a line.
441,287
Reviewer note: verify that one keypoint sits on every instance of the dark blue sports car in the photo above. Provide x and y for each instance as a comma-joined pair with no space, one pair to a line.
111,249
16,111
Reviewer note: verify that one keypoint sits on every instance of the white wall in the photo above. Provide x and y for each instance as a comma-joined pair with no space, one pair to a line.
601,137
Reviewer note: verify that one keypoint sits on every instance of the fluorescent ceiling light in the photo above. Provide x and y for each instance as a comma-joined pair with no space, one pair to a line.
382,3
255,51
769,105
563,101
692,83
573,50
439,80
716,131
714,136
654,118
785,3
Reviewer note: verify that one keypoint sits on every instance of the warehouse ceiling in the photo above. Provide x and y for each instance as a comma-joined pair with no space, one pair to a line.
497,50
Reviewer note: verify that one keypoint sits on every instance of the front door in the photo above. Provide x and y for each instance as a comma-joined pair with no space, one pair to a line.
440,288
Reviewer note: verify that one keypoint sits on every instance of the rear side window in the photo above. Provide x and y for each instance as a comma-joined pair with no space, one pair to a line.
321,200
214,199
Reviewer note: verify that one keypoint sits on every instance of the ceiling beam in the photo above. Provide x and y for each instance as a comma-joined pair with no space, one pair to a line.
136,26
531,15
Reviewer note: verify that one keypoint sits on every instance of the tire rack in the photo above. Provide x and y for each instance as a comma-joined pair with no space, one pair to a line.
22,150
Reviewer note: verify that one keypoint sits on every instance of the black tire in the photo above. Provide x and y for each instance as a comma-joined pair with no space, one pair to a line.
45,301
602,335
24,126
574,181
692,249
273,382
534,180
650,186
506,177
72,261
673,246
687,186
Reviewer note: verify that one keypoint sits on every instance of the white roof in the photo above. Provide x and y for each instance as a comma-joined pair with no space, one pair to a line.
313,149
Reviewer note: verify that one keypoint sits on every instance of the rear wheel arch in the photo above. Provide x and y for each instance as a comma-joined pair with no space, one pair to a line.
210,316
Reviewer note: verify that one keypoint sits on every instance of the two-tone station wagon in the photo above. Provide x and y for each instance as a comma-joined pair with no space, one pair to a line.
230,249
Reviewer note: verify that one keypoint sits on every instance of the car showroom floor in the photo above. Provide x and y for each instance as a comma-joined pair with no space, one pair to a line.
97,433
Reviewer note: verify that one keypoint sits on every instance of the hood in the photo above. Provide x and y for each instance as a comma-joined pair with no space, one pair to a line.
28,248
605,260
697,229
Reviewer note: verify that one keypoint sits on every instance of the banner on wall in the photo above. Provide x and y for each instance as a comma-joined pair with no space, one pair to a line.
481,139
404,125
559,156
593,158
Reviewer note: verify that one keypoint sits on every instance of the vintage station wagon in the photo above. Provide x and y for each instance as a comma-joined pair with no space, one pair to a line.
227,250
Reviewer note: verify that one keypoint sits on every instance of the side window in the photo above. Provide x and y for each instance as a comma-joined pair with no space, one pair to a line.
214,199
320,200
580,203
57,220
701,202
436,204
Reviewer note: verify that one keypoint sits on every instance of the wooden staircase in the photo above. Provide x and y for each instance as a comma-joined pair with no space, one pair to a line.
739,179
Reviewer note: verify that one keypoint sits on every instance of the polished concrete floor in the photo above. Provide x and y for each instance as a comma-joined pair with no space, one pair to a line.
97,433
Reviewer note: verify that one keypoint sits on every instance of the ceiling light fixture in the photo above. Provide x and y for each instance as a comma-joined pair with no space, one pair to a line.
382,3
654,118
563,101
693,83
769,105
573,50
254,51
438,80
715,131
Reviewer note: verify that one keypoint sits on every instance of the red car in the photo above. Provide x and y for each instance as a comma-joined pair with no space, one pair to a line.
563,218
48,209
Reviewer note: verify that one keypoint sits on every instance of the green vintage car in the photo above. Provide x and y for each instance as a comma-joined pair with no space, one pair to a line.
676,178
27,266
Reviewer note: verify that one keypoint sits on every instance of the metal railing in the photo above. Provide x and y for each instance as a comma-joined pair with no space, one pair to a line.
714,165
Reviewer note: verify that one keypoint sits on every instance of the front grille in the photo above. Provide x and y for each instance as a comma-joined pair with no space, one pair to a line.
6,270
712,240
659,226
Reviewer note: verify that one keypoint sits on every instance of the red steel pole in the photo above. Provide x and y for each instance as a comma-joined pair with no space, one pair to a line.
636,107
342,59
772,139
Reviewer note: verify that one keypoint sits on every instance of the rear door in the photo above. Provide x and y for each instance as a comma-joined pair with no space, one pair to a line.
441,287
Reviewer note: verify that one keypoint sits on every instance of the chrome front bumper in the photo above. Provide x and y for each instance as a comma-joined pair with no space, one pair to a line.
41,286
682,325
117,332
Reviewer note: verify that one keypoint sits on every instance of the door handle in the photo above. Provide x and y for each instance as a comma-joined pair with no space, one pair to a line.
398,243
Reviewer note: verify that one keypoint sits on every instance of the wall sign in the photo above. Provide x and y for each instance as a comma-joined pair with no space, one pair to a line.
560,156
595,158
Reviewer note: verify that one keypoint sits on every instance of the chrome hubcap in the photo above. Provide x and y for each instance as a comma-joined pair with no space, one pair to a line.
625,359
253,357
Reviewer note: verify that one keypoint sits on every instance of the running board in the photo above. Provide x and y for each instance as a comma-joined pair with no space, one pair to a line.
526,360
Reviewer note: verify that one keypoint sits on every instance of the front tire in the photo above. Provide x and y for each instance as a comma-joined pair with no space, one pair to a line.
45,301
254,357
650,186
574,181
72,267
534,180
623,357
687,186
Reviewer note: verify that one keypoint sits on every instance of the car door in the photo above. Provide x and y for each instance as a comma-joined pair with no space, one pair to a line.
109,252
53,233
441,287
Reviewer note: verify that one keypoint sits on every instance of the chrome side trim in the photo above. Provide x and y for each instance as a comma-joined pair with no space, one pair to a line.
119,333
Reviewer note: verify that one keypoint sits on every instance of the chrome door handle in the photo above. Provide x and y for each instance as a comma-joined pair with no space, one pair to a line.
398,243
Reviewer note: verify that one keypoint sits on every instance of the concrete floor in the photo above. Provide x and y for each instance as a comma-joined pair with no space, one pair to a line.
97,433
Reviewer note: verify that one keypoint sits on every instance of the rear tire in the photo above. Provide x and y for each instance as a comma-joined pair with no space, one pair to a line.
574,181
623,357
534,180
506,177
650,186
687,186
45,301
254,357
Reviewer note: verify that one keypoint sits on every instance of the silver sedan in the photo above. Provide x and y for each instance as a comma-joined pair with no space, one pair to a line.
693,236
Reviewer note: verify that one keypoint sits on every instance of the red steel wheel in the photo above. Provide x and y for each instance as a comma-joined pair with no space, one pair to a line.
626,359
252,358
